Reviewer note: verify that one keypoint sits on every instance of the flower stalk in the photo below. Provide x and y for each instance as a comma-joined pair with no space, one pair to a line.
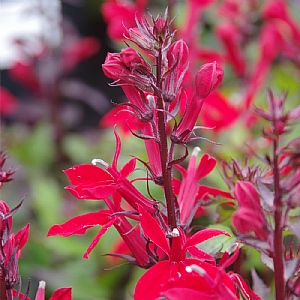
163,147
278,241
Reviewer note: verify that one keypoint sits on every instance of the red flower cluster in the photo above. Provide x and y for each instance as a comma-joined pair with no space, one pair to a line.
159,239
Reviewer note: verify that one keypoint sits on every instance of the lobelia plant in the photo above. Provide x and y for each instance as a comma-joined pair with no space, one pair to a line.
163,236
159,233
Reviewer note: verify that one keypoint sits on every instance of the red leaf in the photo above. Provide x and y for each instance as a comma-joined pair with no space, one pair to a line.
79,224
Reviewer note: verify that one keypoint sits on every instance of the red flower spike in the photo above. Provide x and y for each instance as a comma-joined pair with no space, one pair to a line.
207,79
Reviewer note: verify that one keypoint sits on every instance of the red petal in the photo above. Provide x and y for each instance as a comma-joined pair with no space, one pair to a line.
203,189
87,174
62,294
128,168
149,285
202,236
153,230
246,194
79,224
95,191
97,238
118,149
206,165
21,237
197,253
187,294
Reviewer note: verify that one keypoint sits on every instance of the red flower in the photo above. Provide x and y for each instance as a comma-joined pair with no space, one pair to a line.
115,216
92,182
62,294
218,113
153,283
231,37
190,190
129,68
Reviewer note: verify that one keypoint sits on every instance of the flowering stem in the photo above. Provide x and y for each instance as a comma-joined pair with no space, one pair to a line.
278,247
163,148
2,289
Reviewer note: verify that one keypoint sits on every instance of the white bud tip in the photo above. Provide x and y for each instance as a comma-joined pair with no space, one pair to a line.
195,268
99,161
175,232
196,151
42,284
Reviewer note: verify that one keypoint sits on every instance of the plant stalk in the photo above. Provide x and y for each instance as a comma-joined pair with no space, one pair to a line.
278,243
163,148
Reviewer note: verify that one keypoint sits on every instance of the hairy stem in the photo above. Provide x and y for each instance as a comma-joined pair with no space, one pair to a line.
278,245
163,148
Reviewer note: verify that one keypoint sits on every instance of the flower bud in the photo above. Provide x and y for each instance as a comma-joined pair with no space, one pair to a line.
208,78
246,194
178,53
